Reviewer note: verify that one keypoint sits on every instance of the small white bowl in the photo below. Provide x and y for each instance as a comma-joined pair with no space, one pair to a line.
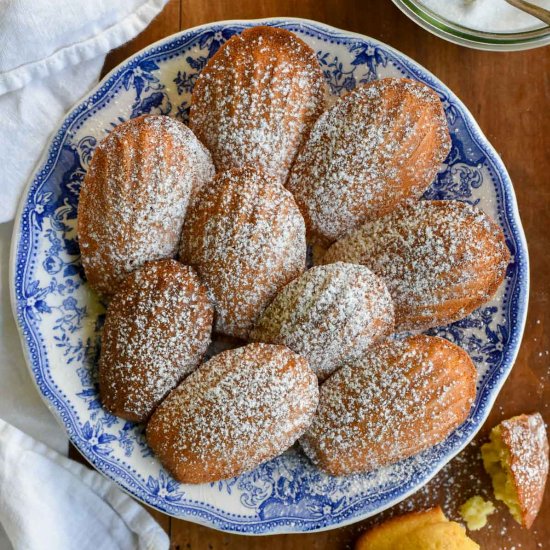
472,38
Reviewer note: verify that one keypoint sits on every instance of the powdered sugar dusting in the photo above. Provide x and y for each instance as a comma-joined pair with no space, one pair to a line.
401,397
135,196
156,331
246,237
256,100
377,146
242,407
527,443
329,314
439,259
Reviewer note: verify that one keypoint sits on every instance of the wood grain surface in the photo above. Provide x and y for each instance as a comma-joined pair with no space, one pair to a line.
509,94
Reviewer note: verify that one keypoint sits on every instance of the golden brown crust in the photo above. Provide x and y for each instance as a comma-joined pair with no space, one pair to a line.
401,397
241,408
441,260
156,331
376,147
256,100
527,444
246,237
134,197
385,534
424,530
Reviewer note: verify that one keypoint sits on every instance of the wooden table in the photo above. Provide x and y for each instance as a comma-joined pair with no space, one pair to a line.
509,94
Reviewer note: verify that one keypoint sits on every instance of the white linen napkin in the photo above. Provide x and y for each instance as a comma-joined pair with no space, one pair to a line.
51,54
92,515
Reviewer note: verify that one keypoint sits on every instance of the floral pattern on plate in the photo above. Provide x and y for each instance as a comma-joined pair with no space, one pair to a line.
60,319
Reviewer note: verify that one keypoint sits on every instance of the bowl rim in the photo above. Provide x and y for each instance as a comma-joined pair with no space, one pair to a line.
473,38
511,202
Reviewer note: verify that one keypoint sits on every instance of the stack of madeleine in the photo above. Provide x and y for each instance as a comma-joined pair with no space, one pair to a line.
205,231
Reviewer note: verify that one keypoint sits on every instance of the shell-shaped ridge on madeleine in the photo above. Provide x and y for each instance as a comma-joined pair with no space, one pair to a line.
242,407
329,314
135,195
156,331
376,147
246,237
256,100
400,398
440,260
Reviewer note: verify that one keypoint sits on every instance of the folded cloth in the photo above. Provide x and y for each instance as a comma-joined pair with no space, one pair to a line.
48,501
51,54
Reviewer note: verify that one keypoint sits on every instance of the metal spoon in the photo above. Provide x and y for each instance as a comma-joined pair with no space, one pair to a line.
531,9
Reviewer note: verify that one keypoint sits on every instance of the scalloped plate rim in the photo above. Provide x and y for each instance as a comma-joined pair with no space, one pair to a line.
493,157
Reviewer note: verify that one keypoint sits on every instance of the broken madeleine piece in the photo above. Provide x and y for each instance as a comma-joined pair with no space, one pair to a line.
475,511
424,530
516,458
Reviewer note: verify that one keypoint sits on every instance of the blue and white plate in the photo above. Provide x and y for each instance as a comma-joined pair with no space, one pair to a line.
60,319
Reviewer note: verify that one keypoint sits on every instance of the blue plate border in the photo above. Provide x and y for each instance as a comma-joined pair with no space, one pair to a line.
23,249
